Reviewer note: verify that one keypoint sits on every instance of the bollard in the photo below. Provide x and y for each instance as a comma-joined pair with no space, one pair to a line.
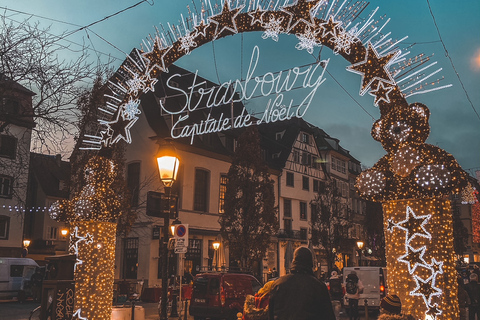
366,309
185,310
174,312
133,310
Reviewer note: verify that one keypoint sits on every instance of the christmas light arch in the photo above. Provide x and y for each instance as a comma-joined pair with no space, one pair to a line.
412,180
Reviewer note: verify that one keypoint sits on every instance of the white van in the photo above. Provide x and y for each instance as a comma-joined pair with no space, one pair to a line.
374,280
14,273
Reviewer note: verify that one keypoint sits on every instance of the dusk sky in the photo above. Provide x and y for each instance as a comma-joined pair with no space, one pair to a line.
338,108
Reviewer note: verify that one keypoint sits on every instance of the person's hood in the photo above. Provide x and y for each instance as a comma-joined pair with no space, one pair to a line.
302,261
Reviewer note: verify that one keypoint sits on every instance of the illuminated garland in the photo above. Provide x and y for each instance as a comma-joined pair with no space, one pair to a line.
380,62
420,257
92,215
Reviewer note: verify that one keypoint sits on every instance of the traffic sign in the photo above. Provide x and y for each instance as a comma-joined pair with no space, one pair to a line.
181,250
181,233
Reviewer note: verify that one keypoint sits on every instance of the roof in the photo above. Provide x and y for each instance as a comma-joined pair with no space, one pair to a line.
49,171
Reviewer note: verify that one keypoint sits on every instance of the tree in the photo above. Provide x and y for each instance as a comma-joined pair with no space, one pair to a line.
374,230
330,224
250,216
31,56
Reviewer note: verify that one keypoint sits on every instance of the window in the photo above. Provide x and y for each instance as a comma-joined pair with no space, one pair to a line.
287,208
316,185
287,223
303,234
9,106
290,180
306,158
223,189
315,162
8,146
6,186
133,181
4,227
130,251
296,156
51,233
305,138
305,183
338,165
303,210
200,198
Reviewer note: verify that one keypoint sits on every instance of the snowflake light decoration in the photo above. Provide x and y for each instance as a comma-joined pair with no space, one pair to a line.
308,40
343,42
130,110
273,28
188,42
135,84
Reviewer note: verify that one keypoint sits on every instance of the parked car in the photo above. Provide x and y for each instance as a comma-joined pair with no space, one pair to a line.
221,295
15,274
374,280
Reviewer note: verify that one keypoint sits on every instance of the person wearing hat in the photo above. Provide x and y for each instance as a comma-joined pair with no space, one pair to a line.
391,309
300,295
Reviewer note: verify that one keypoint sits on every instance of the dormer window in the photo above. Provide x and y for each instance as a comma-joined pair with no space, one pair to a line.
8,146
306,138
9,106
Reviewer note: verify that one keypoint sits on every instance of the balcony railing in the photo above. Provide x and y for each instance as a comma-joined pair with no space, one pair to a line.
289,234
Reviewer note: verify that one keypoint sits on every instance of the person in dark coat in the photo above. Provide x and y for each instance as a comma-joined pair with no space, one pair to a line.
473,290
299,295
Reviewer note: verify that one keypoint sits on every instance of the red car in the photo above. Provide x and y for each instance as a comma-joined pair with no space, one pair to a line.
221,295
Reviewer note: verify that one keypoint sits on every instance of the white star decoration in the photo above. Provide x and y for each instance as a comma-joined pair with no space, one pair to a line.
75,242
414,226
415,256
78,314
413,222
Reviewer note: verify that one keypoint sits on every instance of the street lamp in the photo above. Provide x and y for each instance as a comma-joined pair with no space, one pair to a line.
26,243
168,163
360,244
64,232
216,246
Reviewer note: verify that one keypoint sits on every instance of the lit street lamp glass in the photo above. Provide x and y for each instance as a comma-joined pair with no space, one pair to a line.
26,243
174,225
216,245
64,232
360,245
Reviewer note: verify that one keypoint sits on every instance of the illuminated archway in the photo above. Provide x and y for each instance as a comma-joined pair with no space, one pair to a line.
412,180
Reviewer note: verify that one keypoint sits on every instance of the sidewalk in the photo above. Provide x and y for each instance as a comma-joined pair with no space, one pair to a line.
151,311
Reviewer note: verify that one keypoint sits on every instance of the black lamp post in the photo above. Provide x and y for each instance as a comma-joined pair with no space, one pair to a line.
168,163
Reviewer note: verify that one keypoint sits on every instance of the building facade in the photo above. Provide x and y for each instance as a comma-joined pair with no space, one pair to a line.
16,123
299,157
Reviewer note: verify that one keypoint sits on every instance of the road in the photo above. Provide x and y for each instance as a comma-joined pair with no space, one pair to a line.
13,310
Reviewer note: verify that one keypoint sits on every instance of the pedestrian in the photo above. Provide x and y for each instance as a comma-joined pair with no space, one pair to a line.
36,281
353,287
391,309
274,273
463,299
336,292
300,295
473,290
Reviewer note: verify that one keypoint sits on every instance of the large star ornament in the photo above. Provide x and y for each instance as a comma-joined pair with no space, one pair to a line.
330,27
155,58
373,68
381,93
413,258
414,225
121,128
425,289
301,12
226,19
